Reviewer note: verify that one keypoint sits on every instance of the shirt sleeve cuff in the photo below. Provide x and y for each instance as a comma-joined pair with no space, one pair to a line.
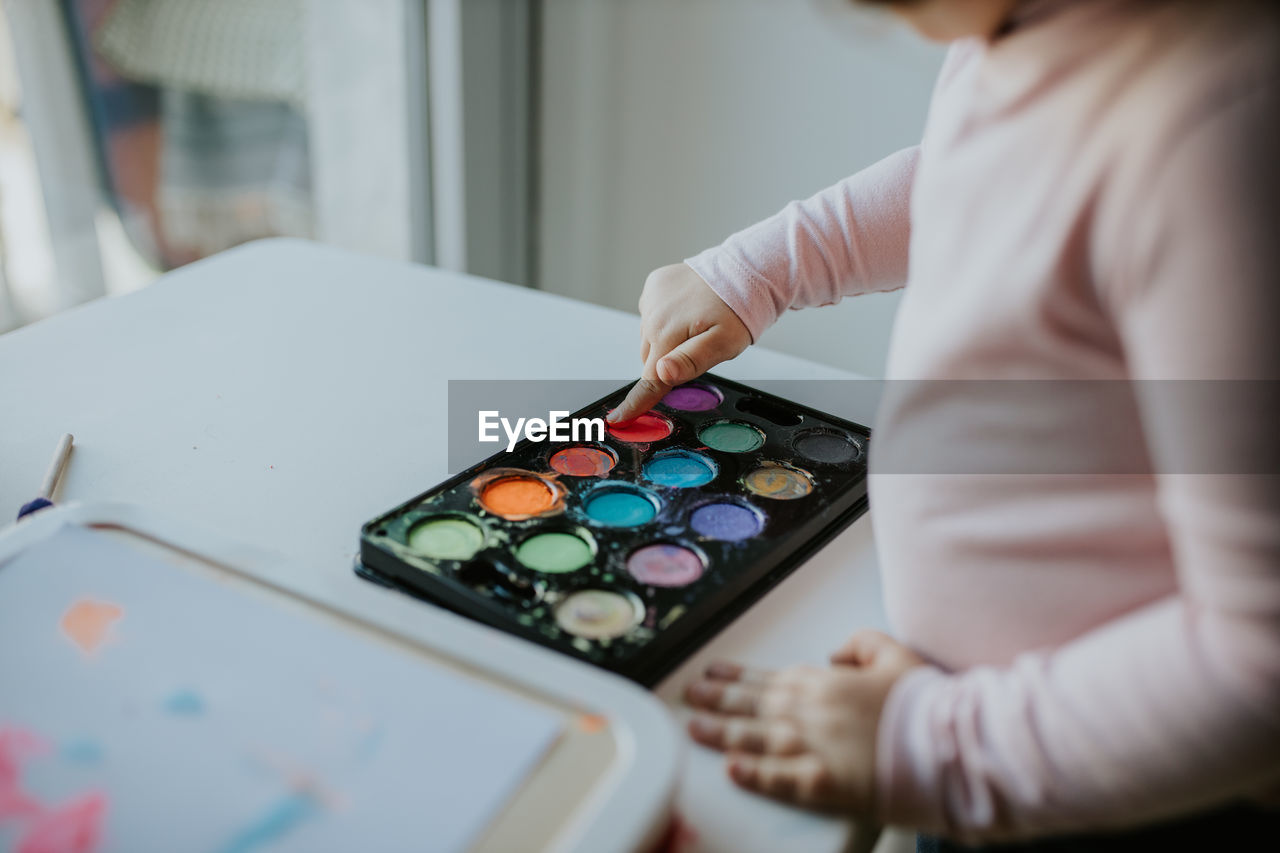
745,292
907,790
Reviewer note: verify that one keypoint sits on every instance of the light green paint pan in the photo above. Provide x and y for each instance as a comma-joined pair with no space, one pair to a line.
446,537
555,553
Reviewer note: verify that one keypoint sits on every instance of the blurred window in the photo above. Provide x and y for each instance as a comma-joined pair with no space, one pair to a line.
199,112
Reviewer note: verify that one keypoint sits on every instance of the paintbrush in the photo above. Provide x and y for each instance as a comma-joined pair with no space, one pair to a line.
51,477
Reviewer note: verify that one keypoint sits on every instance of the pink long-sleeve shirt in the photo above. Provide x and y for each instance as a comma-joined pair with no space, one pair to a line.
1096,197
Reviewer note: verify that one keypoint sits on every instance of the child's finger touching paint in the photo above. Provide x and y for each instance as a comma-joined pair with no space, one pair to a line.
642,397
685,329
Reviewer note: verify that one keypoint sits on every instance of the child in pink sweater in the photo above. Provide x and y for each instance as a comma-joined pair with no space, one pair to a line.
1087,652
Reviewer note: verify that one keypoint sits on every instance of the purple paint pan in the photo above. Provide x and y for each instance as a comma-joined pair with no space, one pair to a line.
726,521
693,397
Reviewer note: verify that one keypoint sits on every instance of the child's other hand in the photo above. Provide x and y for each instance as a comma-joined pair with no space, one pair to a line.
685,330
804,734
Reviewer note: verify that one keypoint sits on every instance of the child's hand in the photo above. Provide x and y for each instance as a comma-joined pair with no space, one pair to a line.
805,734
685,330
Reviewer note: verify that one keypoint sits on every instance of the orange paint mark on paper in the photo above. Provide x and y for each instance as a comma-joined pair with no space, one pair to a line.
87,623
592,723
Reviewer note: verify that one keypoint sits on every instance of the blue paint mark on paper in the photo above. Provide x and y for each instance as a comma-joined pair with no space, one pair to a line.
277,822
370,743
186,703
82,751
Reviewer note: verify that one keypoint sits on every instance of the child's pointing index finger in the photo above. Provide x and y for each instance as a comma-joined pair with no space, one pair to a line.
642,397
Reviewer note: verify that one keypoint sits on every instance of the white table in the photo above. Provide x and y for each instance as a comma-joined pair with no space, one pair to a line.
284,393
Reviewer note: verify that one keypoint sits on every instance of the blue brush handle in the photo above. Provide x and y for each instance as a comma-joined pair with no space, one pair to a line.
51,477
34,506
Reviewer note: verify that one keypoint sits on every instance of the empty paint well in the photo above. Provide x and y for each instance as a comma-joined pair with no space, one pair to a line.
828,447
645,429
680,469
665,565
583,461
555,552
499,583
446,537
694,397
771,412
778,481
621,506
516,495
725,521
599,614
731,437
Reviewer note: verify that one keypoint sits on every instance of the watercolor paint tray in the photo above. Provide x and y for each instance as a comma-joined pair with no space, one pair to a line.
632,552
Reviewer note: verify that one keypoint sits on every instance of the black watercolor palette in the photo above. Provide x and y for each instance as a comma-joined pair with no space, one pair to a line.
632,552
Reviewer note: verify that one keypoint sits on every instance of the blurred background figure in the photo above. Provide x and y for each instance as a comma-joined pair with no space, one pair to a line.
200,105
165,131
